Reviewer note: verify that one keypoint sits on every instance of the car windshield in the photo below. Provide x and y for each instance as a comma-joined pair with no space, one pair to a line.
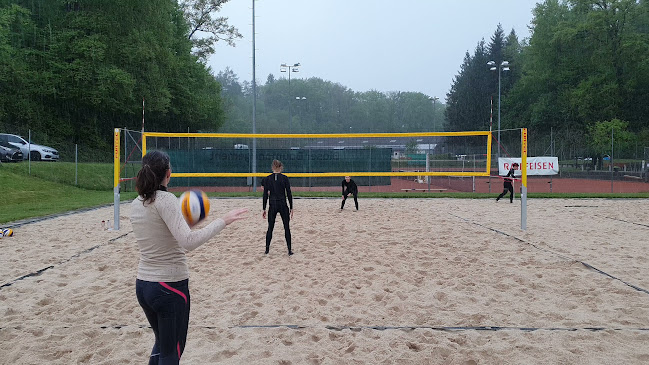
16,139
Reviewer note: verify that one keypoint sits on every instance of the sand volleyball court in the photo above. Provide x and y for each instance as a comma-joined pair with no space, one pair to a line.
402,281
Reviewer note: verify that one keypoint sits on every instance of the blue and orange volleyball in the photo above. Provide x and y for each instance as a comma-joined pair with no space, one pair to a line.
7,232
195,206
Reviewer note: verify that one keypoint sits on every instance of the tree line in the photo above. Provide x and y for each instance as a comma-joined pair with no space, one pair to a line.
580,78
314,105
71,71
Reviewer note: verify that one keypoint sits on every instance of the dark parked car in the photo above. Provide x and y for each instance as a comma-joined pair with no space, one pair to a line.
9,153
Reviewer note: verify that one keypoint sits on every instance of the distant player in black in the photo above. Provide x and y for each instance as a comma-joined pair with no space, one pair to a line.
276,189
507,185
349,187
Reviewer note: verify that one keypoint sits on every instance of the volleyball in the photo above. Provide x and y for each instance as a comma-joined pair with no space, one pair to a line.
194,205
7,232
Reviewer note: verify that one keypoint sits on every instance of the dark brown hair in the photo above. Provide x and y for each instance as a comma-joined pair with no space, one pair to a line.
154,168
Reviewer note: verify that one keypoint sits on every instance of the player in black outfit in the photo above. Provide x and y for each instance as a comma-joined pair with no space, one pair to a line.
349,187
276,189
507,185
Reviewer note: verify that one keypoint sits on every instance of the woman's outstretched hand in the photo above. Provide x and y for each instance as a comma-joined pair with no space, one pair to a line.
235,215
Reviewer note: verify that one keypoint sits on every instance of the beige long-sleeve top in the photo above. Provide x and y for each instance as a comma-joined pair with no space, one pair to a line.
164,237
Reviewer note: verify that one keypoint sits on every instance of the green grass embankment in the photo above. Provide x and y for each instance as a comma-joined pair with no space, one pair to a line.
90,176
50,189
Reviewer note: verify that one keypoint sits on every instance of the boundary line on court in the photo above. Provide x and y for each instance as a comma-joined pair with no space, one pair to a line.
442,328
516,238
557,254
39,272
376,328
622,220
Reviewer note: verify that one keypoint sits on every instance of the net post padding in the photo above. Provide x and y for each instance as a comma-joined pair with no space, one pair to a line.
524,178
116,173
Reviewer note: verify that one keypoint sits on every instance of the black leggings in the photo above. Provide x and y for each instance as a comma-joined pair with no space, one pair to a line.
283,211
166,306
507,188
345,194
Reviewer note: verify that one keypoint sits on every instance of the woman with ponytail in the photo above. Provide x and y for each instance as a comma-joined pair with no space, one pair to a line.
163,237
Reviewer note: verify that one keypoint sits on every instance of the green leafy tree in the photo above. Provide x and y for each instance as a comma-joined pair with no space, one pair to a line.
601,134
73,70
325,107
584,63
202,19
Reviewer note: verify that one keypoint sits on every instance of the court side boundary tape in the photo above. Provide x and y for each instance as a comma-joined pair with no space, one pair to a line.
39,272
556,254
360,328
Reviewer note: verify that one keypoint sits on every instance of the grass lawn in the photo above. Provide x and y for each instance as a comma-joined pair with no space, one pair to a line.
90,176
28,197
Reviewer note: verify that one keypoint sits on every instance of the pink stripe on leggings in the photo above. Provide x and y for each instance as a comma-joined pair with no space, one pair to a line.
178,347
174,290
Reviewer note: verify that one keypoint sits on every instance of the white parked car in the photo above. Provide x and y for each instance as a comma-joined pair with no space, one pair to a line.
36,151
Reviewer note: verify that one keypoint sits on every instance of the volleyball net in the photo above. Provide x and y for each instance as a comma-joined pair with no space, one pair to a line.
316,160
378,162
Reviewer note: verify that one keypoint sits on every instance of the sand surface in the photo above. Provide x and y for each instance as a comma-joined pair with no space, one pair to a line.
402,281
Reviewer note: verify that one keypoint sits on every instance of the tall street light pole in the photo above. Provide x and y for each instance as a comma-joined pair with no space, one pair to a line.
289,68
297,100
504,66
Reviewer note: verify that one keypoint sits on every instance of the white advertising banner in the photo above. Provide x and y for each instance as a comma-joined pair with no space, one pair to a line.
535,165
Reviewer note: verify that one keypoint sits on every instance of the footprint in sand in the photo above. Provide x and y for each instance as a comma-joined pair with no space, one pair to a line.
44,302
287,342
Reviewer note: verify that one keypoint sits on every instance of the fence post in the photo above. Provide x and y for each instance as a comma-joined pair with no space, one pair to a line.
473,177
29,152
611,160
76,165
428,167
370,178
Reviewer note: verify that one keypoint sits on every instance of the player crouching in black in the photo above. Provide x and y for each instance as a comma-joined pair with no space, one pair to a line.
349,187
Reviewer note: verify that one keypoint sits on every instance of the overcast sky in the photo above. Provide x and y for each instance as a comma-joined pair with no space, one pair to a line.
407,45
